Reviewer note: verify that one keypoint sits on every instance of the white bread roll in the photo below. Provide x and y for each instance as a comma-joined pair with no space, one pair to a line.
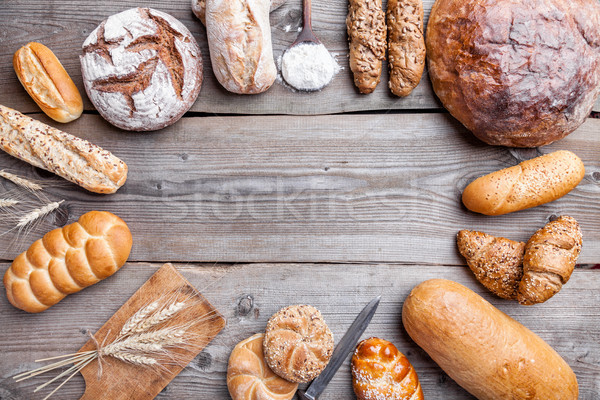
531,183
239,38
485,351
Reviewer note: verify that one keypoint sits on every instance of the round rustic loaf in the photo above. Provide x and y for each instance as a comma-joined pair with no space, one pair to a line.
298,343
250,378
142,69
516,73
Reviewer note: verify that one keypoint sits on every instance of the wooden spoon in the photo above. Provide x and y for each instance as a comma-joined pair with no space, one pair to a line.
307,34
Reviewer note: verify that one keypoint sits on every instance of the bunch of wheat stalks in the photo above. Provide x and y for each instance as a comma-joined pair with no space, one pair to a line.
146,339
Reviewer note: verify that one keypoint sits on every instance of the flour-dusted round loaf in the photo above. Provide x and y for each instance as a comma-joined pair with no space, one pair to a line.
298,343
142,69
516,73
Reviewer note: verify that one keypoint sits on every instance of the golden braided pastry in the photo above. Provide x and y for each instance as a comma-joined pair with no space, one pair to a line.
67,260
381,372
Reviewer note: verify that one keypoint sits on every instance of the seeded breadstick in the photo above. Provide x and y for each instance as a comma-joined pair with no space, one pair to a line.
366,33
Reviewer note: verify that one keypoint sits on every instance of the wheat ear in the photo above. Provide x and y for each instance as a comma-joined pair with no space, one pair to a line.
159,317
20,181
134,359
137,318
5,203
38,213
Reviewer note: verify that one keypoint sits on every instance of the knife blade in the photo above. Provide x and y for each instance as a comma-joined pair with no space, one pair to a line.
345,346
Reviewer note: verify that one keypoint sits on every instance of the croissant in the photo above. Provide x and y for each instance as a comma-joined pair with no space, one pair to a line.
67,260
381,372
550,257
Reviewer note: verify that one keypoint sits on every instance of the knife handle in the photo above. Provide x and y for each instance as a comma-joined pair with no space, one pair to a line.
303,396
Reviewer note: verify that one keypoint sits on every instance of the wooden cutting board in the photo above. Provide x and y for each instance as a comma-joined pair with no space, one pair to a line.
120,380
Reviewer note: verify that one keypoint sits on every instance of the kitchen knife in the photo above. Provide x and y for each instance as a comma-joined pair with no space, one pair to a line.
345,346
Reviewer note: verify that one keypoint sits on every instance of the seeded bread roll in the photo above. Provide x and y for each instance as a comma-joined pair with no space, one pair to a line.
67,260
406,45
69,157
142,69
366,32
47,82
529,184
239,38
298,343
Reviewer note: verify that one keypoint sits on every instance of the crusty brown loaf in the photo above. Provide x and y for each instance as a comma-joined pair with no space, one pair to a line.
47,82
250,378
406,45
516,73
484,350
239,39
142,69
550,257
529,184
298,343
67,260
70,157
496,262
199,8
381,372
366,32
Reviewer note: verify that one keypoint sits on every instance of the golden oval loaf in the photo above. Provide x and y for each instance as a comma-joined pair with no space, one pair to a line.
485,351
47,82
531,183
67,260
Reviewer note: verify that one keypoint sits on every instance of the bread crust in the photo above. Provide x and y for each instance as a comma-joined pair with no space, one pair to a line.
366,28
406,45
531,183
250,378
485,351
69,157
67,260
519,74
199,8
49,85
298,343
381,372
239,39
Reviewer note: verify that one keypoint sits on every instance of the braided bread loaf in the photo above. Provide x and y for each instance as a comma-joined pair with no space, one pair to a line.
380,372
67,260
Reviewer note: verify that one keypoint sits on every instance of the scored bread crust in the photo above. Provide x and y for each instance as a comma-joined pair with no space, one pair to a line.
142,69
298,343
516,73
47,82
67,260
250,378
381,372
68,156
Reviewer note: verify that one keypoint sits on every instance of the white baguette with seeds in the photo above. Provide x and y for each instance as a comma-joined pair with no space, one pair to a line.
68,156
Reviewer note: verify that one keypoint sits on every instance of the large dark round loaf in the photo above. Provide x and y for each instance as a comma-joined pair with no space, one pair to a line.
516,73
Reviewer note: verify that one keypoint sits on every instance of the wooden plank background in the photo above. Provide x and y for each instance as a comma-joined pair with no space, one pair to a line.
351,188
249,294
63,26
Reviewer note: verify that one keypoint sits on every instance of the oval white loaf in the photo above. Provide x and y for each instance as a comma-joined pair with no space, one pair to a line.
484,350
239,38
142,69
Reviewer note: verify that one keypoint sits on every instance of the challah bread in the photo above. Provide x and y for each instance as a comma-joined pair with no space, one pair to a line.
550,257
250,378
47,82
485,351
529,184
298,343
69,157
67,260
381,372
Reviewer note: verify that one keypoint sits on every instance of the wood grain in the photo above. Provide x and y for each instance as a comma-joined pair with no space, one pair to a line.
341,188
124,381
248,295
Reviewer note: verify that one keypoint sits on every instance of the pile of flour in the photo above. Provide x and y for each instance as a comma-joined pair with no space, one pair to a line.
308,66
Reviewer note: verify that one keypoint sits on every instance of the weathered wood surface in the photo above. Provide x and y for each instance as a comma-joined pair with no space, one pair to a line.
248,295
341,188
64,25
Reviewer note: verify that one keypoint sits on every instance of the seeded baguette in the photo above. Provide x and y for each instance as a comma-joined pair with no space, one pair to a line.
69,157
529,184
366,32
47,82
